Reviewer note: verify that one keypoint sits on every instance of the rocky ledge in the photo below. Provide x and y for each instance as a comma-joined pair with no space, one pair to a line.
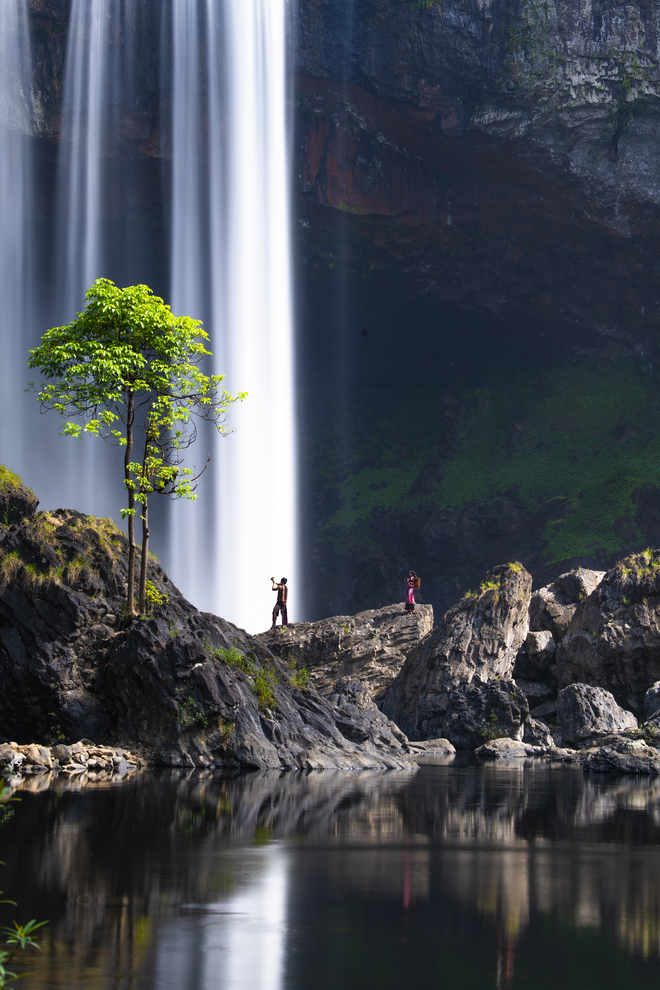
181,687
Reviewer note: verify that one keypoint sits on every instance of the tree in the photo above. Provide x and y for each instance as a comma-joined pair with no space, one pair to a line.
127,367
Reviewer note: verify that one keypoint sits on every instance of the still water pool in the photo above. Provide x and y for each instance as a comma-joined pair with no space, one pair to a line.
458,876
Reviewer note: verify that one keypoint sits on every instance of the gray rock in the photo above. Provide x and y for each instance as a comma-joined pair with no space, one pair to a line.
608,760
537,733
436,747
651,705
478,711
475,645
62,754
536,692
370,647
540,649
584,712
546,710
7,754
578,584
613,640
37,756
502,749
550,612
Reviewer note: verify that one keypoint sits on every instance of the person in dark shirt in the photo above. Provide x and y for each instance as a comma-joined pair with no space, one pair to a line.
280,604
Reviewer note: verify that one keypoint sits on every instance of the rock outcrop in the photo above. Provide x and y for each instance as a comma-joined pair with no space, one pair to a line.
460,673
613,637
371,646
584,712
187,687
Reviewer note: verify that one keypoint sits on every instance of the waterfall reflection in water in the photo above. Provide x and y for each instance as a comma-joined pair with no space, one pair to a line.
467,876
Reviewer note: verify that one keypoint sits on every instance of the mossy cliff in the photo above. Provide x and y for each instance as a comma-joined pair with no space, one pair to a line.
560,469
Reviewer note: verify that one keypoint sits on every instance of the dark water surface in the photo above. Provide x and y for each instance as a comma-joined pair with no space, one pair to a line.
449,877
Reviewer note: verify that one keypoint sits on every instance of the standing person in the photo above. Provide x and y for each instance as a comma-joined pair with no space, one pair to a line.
413,583
280,604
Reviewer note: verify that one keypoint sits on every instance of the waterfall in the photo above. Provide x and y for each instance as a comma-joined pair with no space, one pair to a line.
245,532
15,213
98,233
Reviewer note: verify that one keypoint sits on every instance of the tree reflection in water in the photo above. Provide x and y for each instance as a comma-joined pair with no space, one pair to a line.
452,873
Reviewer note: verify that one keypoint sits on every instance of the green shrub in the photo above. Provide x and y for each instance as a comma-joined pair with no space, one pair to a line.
155,598
300,678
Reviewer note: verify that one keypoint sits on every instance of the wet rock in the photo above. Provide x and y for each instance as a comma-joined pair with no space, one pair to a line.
537,733
584,712
371,646
608,760
502,749
457,674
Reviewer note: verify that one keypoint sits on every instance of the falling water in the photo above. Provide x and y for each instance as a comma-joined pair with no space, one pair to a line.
95,223
253,514
15,197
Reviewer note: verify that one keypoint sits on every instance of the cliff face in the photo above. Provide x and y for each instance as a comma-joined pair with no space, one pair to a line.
506,153
478,205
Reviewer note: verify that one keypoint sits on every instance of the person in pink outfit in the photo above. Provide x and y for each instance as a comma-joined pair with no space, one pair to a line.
413,583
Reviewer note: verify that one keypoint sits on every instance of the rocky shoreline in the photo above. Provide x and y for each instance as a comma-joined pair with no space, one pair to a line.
567,672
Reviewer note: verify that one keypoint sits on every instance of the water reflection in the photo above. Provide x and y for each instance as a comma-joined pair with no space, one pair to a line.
348,879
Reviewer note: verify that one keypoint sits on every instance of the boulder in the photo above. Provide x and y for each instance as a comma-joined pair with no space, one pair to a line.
613,639
433,747
536,733
552,608
16,501
62,754
477,712
608,760
540,649
651,704
474,646
370,647
578,584
502,749
584,712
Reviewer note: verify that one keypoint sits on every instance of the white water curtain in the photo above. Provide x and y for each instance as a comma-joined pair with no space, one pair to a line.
15,219
244,218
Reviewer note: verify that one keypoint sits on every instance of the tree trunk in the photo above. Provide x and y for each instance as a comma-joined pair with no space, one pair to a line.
130,597
145,559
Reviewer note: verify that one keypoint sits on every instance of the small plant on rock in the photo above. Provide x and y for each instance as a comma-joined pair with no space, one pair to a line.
191,716
300,678
155,598
490,730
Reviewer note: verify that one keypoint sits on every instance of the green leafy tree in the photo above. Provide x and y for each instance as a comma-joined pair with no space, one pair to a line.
129,370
